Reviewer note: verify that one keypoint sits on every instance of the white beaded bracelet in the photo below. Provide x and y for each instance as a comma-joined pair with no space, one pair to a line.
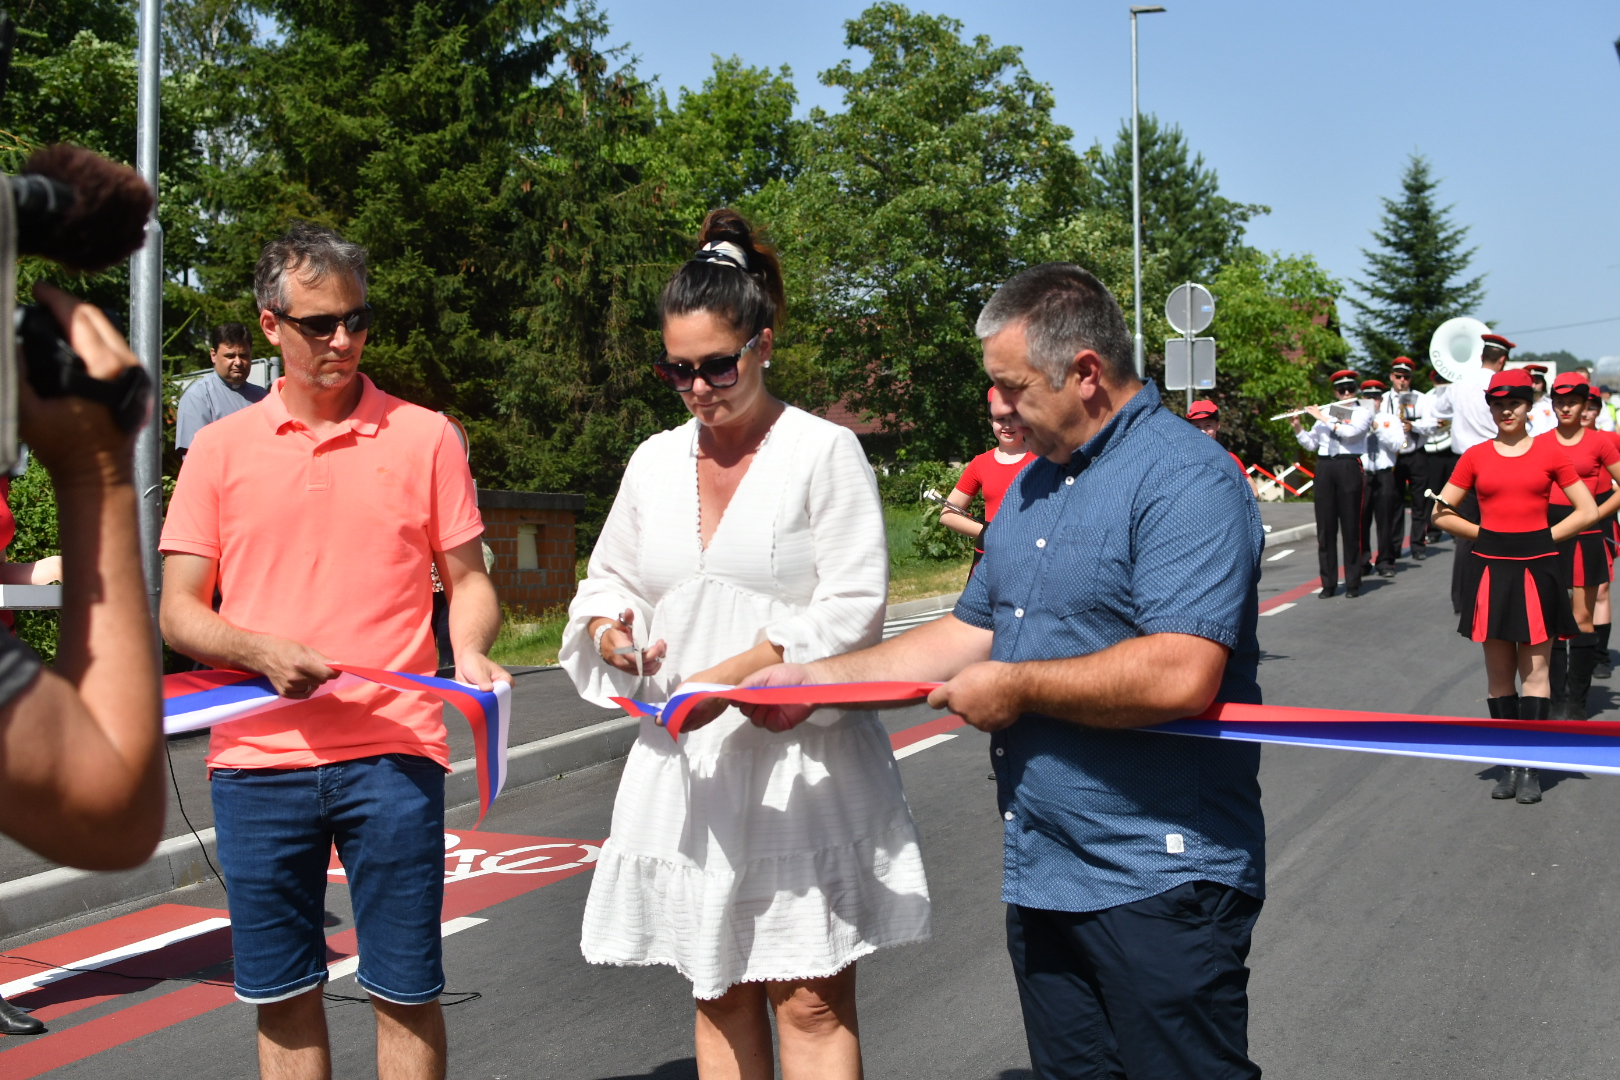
601,632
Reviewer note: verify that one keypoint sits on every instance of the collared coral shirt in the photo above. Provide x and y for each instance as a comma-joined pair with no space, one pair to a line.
1146,530
329,542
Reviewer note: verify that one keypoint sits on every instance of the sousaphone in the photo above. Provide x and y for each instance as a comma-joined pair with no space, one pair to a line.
1455,348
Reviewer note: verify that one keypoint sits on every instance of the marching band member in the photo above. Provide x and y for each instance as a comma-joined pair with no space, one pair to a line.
1339,443
1606,410
1542,417
1378,463
1472,424
1515,601
1587,559
1412,413
1439,457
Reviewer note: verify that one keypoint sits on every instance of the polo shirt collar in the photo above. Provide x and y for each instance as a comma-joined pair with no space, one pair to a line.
1142,404
365,420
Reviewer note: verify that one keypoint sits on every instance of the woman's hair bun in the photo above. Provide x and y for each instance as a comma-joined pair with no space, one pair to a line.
750,299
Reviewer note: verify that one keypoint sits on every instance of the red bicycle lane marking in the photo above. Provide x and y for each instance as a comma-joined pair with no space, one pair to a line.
513,866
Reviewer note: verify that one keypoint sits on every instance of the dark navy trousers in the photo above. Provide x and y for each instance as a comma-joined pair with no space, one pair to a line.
1154,990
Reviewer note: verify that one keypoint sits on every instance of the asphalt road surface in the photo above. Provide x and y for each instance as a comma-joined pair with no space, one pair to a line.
1414,928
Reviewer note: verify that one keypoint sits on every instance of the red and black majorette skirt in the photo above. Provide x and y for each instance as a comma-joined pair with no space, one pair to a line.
1514,589
1587,558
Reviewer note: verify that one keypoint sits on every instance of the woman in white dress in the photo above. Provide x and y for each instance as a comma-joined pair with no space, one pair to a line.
760,865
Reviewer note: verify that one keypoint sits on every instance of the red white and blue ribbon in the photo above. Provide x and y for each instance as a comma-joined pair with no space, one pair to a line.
1574,746
201,699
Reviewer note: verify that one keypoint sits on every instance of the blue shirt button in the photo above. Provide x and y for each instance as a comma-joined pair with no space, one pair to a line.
1008,815
1041,542
1019,614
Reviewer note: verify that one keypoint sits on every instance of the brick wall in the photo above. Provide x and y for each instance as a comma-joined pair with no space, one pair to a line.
532,536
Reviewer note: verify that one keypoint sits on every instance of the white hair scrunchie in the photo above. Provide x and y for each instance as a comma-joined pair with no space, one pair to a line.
723,251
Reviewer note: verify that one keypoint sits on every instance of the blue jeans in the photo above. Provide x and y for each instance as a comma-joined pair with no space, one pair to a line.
276,828
1155,990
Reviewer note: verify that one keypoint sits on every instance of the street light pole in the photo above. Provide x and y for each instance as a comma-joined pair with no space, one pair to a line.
146,300
1136,190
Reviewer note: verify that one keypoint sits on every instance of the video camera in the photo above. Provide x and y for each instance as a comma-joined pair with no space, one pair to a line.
79,209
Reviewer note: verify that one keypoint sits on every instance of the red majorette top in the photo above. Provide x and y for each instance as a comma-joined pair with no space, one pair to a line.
993,477
1591,458
1514,491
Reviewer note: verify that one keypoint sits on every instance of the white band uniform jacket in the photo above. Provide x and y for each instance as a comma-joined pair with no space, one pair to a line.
739,854
1340,437
1423,419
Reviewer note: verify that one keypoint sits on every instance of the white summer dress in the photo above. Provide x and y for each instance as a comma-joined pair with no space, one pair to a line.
738,854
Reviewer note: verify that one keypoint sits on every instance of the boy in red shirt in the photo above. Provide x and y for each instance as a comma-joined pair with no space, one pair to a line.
992,472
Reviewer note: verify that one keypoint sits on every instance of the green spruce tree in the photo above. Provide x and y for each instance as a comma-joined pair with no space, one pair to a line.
1415,279
1185,218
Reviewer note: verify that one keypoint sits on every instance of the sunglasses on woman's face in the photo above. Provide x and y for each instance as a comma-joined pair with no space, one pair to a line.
324,326
719,372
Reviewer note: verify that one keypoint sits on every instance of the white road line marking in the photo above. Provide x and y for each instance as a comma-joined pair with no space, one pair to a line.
342,969
1275,610
110,957
922,744
1283,554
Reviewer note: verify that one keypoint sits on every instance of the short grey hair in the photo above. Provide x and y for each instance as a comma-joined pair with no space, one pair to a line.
1064,310
311,252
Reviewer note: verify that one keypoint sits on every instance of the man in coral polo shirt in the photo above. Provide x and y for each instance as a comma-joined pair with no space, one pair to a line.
318,512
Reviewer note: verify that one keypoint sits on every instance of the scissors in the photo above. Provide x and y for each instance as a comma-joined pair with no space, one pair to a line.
627,650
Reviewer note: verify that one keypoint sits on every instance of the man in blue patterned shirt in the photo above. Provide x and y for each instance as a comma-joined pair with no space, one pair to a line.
1117,591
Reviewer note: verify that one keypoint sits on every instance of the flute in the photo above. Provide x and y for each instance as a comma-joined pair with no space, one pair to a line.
1302,412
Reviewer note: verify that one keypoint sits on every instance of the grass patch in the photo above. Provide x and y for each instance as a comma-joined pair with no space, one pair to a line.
911,577
529,641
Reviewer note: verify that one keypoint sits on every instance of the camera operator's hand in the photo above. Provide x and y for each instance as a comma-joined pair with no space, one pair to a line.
81,748
293,668
74,438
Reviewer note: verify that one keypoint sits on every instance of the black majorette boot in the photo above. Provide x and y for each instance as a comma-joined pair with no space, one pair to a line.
1531,708
1582,659
1505,708
1558,677
1603,670
13,1021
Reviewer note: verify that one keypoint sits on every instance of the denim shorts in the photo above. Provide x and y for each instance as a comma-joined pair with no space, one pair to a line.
276,829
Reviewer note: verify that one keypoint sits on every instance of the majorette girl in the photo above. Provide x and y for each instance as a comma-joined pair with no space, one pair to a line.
1514,600
1587,560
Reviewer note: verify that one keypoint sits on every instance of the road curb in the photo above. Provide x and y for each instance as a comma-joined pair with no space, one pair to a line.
64,893
1285,536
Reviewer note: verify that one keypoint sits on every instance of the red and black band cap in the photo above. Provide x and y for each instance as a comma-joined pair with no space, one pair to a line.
1510,384
1344,376
1402,364
1498,341
1572,382
1202,410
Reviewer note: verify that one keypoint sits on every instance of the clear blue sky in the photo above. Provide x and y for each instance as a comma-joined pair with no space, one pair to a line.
1310,108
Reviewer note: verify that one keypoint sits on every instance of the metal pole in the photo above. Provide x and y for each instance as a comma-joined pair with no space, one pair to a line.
1191,367
1136,205
146,301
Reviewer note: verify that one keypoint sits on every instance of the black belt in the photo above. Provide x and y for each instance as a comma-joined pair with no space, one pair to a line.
1339,455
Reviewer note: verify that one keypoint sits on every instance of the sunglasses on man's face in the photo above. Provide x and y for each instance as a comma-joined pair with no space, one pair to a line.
719,372
324,326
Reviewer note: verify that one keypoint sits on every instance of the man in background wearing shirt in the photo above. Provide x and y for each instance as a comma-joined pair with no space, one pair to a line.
1118,590
320,512
214,397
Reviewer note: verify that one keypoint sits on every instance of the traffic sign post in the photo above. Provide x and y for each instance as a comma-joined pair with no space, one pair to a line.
1189,361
